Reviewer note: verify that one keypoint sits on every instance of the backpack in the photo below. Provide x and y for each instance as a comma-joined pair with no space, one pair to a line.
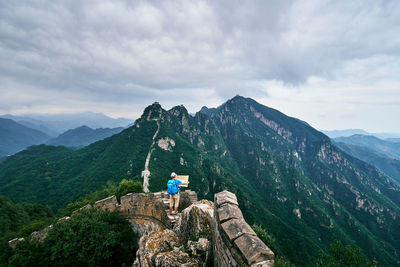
172,188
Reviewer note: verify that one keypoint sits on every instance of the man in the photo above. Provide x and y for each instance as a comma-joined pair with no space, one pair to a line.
173,191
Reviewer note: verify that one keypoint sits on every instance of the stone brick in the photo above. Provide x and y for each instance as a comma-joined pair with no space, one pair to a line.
186,199
225,197
229,211
253,249
41,235
63,219
109,203
14,242
235,228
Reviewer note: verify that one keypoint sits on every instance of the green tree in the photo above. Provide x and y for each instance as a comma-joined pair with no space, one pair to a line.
91,237
128,186
28,253
264,236
341,255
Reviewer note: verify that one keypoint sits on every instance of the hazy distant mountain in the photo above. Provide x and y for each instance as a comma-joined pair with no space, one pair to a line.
33,124
288,177
55,124
383,154
379,146
396,140
386,135
83,136
345,133
350,132
389,166
15,137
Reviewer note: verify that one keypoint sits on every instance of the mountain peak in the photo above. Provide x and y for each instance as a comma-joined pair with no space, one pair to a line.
83,127
238,99
179,110
152,112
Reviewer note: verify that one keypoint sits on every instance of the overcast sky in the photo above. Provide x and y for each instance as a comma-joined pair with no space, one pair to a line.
334,64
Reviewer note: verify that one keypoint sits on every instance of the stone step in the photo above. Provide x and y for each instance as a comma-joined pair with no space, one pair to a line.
173,218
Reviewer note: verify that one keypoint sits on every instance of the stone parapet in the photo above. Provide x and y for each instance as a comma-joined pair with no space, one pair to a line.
142,207
14,242
235,242
187,198
110,203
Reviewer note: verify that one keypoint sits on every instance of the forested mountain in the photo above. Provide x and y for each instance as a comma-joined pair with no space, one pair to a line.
15,137
383,147
82,136
288,177
387,165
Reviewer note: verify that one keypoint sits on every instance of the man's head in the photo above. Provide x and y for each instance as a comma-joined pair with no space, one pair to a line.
173,175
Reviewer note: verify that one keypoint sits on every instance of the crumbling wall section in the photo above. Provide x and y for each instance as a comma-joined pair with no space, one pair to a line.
235,242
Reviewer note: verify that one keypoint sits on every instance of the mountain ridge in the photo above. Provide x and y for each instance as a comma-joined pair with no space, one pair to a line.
15,137
379,146
82,136
287,176
55,124
389,166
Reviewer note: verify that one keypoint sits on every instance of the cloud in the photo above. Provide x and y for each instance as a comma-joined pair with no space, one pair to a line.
119,56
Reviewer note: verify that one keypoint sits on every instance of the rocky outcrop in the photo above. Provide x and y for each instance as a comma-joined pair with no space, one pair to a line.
154,243
196,221
162,249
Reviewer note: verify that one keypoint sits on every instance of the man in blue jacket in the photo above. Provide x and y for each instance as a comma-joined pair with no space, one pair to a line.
173,191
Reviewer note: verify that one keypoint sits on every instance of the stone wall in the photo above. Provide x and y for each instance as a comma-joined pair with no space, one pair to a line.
235,242
147,212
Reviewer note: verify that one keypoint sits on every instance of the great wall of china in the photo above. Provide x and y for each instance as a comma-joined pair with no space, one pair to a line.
223,236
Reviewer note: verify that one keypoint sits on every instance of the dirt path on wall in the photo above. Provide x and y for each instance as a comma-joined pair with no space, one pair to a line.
146,172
